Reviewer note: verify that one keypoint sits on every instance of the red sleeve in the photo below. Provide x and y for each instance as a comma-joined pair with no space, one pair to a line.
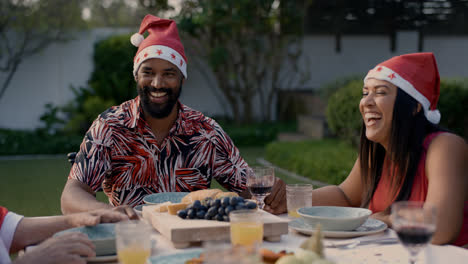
3,213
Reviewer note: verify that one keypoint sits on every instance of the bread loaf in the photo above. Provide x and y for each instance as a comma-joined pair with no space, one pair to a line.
200,195
226,194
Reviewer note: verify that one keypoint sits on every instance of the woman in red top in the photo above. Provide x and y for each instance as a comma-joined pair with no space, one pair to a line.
403,154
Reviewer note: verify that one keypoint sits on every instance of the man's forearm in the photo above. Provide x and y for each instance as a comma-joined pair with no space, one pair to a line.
78,197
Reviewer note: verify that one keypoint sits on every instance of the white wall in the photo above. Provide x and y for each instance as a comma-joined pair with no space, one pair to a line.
46,77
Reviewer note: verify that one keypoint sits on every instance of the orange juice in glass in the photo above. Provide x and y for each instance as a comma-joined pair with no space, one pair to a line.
133,242
246,227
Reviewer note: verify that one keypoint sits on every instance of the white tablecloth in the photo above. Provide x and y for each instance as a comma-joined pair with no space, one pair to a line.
371,253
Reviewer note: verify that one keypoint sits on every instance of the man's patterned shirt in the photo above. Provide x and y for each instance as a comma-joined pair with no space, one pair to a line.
120,155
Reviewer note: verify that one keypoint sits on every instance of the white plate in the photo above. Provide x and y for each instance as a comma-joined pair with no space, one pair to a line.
99,259
371,226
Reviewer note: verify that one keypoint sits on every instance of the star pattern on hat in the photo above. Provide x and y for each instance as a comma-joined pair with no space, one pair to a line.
173,56
159,52
181,62
146,54
391,76
379,69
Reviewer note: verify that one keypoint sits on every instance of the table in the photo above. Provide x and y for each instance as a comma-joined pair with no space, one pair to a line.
371,253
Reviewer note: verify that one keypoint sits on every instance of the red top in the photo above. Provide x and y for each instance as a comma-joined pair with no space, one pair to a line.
3,213
383,197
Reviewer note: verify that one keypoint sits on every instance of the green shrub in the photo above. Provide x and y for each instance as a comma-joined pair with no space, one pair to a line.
17,142
344,119
343,116
255,134
330,88
453,106
111,83
112,78
327,160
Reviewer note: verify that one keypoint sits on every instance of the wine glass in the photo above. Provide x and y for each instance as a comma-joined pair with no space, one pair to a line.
414,223
260,181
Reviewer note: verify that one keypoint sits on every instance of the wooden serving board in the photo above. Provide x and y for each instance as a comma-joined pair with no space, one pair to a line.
183,232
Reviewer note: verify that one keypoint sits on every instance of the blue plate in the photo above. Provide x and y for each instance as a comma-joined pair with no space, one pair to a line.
155,198
102,236
177,258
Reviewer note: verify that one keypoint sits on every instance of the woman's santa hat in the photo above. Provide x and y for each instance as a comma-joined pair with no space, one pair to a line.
162,42
417,75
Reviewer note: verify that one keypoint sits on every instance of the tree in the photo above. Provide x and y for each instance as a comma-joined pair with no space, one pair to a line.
28,27
122,13
252,47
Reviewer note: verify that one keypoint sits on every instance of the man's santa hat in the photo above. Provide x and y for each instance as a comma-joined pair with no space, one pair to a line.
162,42
417,75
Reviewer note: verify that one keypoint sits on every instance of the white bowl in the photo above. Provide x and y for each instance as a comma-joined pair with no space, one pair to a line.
334,218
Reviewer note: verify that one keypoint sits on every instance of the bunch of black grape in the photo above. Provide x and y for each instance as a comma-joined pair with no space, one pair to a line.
217,209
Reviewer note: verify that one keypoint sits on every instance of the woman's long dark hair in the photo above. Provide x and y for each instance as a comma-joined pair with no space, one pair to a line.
409,128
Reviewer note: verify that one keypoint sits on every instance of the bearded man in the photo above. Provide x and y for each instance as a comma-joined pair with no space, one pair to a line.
154,143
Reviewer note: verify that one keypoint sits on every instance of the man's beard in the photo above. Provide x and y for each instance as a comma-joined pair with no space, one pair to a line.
158,110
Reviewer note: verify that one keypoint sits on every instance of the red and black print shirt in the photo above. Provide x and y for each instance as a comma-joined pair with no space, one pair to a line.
120,155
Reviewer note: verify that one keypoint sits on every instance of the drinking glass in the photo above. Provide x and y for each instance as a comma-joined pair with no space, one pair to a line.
133,242
223,252
246,228
298,196
414,223
260,181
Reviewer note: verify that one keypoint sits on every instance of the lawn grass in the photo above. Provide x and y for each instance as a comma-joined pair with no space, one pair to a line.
32,187
328,160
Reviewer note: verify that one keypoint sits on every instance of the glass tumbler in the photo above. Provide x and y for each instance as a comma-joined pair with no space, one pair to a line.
298,196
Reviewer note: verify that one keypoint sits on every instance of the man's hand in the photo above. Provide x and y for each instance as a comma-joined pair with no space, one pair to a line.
127,210
71,248
95,217
275,203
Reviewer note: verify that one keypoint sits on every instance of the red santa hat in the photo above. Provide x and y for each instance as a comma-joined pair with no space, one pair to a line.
162,42
417,75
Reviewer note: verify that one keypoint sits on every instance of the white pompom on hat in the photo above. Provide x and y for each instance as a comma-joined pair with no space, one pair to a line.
417,75
162,42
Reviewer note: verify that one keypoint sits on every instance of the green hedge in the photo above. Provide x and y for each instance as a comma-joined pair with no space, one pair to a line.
258,134
15,142
344,118
328,160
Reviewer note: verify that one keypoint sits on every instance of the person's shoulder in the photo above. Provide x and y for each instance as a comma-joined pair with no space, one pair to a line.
447,138
118,115
448,143
198,119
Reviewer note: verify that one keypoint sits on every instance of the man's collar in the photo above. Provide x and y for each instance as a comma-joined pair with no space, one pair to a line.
136,113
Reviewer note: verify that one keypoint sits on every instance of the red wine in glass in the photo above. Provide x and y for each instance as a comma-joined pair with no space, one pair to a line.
414,223
260,182
413,236
260,190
